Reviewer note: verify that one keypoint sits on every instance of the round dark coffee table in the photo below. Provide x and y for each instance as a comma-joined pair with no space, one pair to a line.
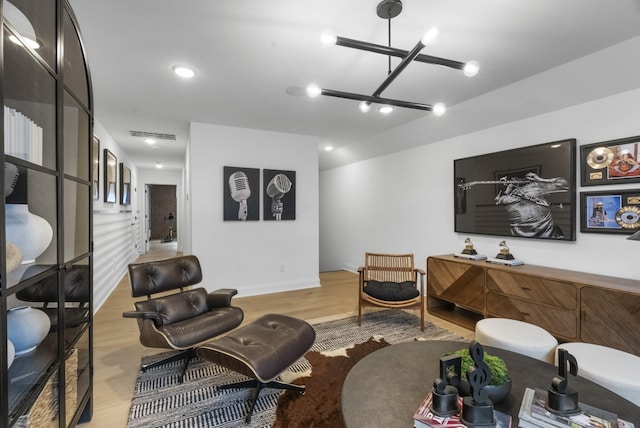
386,387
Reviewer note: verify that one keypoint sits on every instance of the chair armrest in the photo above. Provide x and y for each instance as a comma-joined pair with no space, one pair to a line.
157,319
221,298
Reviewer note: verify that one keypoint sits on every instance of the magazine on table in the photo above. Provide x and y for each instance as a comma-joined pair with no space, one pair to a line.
533,413
425,418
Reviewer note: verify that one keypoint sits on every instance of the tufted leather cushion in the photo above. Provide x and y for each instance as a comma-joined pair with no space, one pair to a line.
261,349
391,291
176,307
164,275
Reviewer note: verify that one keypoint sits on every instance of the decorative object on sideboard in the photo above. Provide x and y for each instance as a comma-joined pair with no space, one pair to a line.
469,252
504,256
26,328
635,236
388,9
561,398
29,232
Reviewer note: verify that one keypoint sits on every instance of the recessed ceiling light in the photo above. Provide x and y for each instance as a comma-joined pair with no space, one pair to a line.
158,165
328,148
150,141
385,109
183,71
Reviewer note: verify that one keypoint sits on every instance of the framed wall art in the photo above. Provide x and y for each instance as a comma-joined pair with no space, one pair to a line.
610,212
110,176
241,193
527,192
125,185
610,162
95,168
279,195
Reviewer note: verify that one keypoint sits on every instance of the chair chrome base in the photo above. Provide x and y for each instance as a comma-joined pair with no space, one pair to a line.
187,355
254,383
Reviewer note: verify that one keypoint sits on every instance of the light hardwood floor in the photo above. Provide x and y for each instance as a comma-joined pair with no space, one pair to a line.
117,351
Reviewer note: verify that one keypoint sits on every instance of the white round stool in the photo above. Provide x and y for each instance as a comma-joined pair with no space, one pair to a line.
516,336
616,370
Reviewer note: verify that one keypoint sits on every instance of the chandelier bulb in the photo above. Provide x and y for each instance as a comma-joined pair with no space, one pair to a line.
328,39
431,36
365,106
471,68
313,90
439,109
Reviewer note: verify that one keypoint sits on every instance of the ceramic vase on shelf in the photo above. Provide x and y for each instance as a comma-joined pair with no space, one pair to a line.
30,233
26,328
11,353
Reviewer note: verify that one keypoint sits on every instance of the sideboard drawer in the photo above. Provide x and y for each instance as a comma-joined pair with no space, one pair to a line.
559,322
460,283
537,289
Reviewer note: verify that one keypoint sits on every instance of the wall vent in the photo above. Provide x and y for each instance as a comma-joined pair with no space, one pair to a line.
156,135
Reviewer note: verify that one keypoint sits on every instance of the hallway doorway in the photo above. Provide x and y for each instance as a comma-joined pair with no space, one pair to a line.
162,216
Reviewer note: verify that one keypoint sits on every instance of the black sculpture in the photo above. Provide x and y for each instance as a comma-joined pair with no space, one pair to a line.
477,409
562,399
445,388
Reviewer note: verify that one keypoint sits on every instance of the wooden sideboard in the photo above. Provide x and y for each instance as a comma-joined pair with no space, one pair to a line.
573,306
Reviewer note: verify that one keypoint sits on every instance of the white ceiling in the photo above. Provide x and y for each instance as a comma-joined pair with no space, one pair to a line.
248,52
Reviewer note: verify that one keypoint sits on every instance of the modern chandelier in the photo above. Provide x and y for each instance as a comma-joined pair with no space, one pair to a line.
388,9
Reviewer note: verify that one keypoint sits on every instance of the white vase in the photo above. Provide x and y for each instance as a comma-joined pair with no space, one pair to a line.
29,232
26,328
11,353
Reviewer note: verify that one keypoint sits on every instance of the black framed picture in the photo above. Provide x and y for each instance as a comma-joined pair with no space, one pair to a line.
279,195
610,212
95,168
528,192
241,193
610,162
110,176
125,185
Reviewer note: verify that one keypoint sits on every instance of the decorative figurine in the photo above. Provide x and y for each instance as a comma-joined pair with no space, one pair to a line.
504,253
445,388
468,248
561,398
477,409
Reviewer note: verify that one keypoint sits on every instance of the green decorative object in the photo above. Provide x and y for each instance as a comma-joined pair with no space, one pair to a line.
498,368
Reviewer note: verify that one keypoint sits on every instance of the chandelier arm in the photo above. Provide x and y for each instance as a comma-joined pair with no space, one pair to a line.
399,68
376,99
387,50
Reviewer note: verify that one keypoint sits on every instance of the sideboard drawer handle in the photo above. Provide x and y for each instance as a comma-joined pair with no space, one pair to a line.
525,288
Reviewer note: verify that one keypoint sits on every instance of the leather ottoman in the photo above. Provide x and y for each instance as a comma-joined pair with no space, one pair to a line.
261,350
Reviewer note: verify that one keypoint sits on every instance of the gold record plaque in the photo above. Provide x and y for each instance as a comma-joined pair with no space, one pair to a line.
610,162
600,157
628,217
610,212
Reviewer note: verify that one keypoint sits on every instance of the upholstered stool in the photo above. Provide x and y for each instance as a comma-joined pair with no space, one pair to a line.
516,336
614,369
261,350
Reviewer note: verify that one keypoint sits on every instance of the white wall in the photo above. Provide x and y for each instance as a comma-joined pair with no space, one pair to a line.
114,230
250,256
404,202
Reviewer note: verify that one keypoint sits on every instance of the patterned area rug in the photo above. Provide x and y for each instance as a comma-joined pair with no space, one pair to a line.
161,402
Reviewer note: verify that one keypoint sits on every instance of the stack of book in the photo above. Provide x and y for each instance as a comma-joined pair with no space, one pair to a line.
425,418
534,414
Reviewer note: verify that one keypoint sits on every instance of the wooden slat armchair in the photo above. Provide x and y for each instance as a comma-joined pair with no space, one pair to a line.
391,281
